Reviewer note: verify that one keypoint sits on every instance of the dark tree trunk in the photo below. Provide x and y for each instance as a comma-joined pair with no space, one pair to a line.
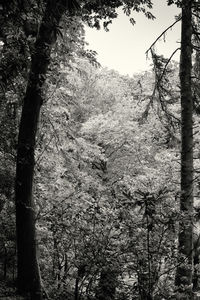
196,260
145,293
80,275
185,247
28,275
196,272
76,290
5,262
107,285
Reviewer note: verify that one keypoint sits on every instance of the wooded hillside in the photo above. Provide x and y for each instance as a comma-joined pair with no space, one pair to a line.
99,173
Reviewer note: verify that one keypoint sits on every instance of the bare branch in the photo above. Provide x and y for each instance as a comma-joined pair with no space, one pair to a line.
170,58
152,45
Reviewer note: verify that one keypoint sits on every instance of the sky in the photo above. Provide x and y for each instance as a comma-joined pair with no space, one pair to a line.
123,47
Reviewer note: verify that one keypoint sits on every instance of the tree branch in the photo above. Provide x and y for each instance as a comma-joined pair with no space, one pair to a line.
152,45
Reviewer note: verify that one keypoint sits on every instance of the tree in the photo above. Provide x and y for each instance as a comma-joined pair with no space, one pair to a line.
28,280
185,247
184,268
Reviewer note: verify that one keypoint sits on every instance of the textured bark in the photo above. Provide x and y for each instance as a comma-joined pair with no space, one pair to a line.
28,275
185,247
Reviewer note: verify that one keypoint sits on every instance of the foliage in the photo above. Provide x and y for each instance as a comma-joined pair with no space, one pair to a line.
107,161
105,165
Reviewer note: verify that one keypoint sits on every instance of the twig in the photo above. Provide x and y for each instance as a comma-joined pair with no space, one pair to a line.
163,73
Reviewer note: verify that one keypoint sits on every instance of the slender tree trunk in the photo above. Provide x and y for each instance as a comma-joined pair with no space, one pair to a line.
196,261
28,275
185,247
5,262
76,290
196,272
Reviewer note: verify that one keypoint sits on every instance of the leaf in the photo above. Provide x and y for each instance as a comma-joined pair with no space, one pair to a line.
132,21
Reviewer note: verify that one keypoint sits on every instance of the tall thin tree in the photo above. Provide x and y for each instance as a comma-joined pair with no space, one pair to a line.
185,247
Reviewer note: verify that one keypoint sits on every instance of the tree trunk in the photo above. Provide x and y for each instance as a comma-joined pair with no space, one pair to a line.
80,275
196,271
143,289
107,285
28,275
185,255
196,261
76,290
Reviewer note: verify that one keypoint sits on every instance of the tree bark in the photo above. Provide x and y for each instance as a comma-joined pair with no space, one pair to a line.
28,275
185,248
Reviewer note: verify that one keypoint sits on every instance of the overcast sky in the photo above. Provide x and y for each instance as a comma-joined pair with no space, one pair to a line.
123,47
